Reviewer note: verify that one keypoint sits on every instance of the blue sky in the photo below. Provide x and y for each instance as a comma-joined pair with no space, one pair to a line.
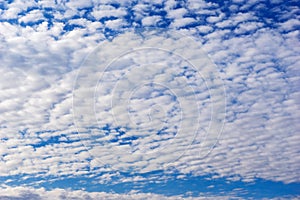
163,99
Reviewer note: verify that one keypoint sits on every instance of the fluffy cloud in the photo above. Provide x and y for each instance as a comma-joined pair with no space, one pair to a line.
257,56
19,193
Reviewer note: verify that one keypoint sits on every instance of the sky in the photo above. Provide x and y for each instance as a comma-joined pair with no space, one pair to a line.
161,99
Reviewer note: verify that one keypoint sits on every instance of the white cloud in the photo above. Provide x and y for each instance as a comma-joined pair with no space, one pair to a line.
108,11
41,193
49,3
32,16
131,90
39,66
214,19
79,4
178,23
177,13
14,8
11,13
151,20
290,24
247,27
115,24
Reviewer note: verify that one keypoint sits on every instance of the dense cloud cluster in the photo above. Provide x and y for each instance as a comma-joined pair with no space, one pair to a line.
58,117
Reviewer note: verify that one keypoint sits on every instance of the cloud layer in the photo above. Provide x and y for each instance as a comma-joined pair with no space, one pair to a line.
64,113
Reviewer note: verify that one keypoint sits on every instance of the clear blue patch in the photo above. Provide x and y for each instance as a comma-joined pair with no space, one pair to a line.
71,27
166,184
32,23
